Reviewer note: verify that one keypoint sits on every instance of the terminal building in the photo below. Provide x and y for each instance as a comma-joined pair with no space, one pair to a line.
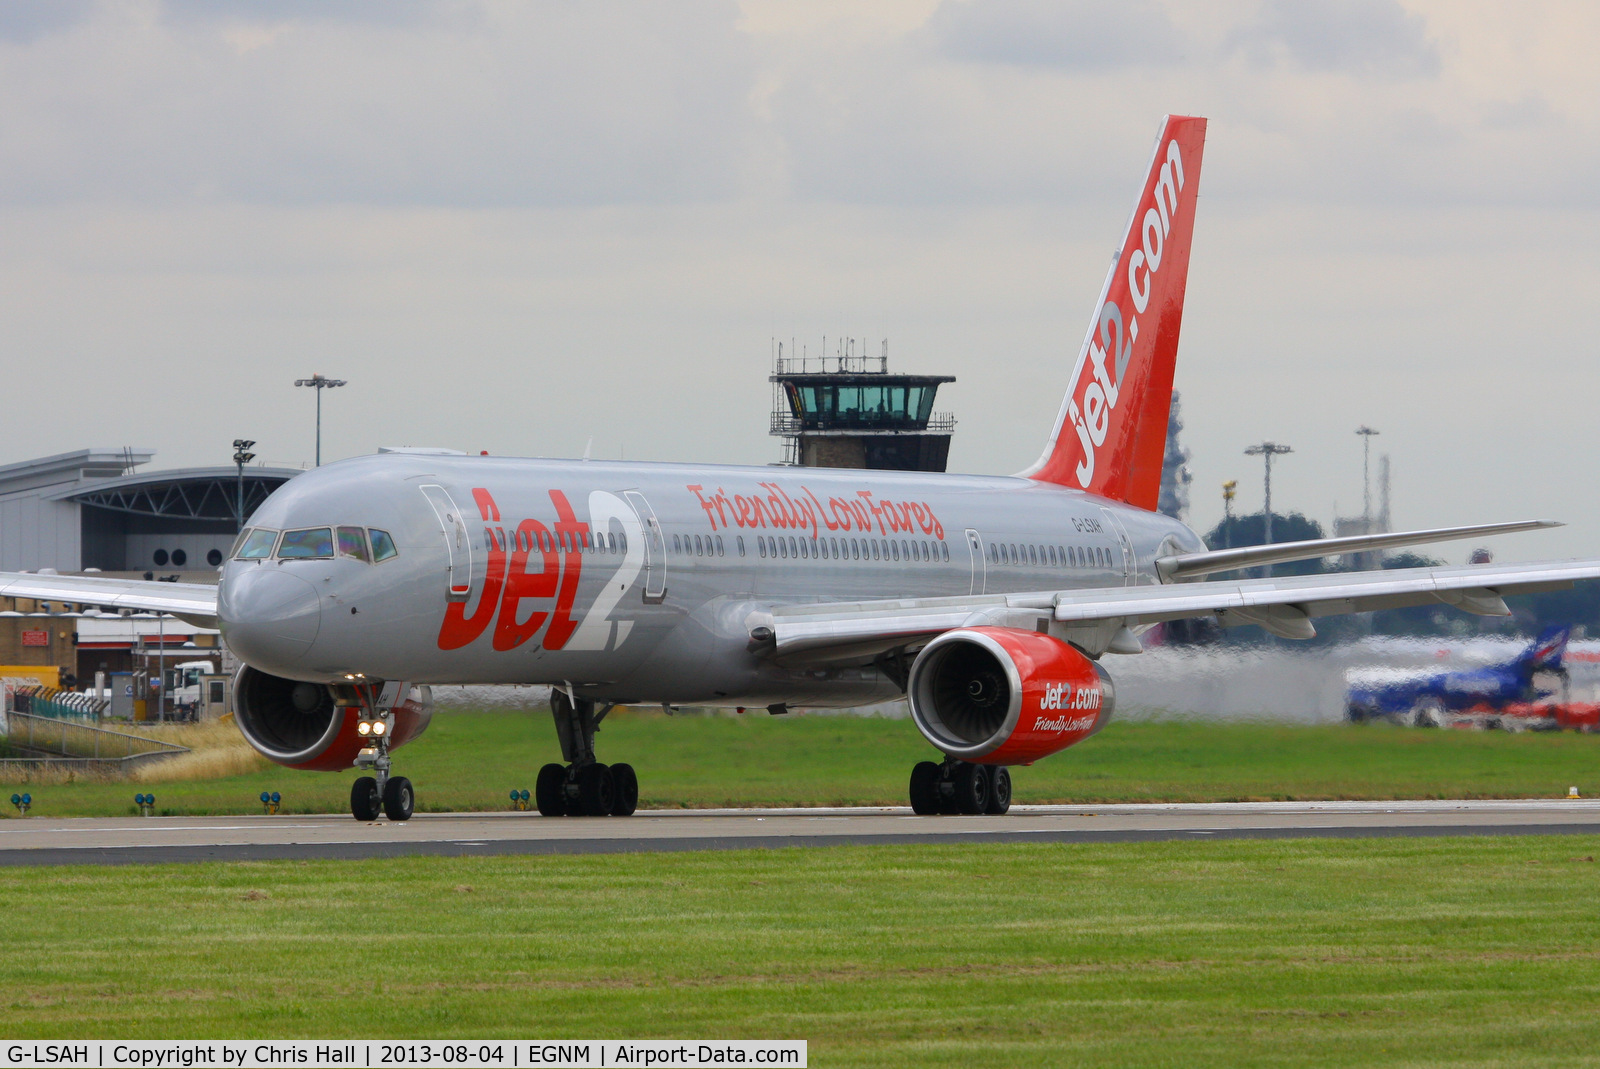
91,511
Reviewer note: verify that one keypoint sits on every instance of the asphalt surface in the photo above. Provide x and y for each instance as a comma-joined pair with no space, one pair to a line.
133,840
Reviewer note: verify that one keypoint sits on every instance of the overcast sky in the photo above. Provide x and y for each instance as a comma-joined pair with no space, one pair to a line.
520,226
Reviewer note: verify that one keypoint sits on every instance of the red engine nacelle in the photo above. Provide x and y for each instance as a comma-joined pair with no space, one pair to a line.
313,725
1000,696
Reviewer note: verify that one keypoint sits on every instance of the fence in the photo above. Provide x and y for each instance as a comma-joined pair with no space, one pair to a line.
61,744
58,704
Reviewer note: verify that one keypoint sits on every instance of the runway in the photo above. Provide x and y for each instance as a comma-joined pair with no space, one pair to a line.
133,840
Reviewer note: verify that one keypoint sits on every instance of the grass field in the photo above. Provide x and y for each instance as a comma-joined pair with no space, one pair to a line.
1318,952
470,761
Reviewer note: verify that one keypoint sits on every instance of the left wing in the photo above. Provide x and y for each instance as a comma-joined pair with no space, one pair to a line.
195,603
1284,606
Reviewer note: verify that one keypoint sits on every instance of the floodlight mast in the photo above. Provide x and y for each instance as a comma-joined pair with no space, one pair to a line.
319,382
1266,451
242,456
1366,481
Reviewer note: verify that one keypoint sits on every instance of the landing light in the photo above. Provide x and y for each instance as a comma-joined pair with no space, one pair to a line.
378,727
363,728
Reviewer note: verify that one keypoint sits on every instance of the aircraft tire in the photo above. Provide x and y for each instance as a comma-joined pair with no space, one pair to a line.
999,791
596,790
625,785
972,789
549,791
364,801
925,789
399,799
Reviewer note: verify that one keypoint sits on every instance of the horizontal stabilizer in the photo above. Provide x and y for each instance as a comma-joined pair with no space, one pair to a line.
1191,565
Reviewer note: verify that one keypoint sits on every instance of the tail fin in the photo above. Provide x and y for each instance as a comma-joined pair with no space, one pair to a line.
1112,429
1548,649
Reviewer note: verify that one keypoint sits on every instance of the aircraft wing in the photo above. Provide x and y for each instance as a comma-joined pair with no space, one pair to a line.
1284,605
195,603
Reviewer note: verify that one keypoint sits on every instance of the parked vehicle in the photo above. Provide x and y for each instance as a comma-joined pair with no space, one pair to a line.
1534,679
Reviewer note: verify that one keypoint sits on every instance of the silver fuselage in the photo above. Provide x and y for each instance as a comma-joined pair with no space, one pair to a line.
649,577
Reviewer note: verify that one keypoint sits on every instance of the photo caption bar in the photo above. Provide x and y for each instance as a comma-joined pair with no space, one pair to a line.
406,1054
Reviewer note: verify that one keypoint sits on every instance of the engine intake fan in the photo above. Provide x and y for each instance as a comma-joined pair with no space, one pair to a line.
1001,696
314,725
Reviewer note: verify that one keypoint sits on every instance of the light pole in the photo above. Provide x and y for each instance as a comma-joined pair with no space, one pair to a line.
1228,489
319,383
241,457
1366,482
1266,451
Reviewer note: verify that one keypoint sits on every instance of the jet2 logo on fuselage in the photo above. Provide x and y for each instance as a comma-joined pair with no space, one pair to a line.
532,562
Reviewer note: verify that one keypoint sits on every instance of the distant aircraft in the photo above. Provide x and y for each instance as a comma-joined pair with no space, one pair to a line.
989,601
1427,699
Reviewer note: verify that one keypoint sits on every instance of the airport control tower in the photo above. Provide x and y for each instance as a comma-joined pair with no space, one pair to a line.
847,411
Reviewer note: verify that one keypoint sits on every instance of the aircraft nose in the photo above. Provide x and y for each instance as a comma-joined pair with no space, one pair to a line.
270,617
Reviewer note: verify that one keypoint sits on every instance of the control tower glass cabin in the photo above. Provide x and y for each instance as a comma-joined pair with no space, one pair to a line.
849,412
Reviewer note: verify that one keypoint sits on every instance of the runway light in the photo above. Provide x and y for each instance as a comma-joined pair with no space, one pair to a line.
1572,792
524,795
265,797
276,797
269,802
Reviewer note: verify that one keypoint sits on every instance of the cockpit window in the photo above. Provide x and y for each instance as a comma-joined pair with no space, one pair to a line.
311,542
256,544
382,545
353,543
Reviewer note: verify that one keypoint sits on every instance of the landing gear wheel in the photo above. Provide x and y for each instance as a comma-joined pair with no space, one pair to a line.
364,801
596,791
398,799
925,789
625,784
972,789
999,791
550,791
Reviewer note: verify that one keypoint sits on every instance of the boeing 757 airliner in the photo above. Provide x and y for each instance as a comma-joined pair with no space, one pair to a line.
989,602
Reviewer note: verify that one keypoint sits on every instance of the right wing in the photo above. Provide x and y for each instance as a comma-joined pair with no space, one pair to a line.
857,631
195,603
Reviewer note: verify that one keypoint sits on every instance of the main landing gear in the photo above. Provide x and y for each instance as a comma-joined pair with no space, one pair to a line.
959,787
392,795
583,787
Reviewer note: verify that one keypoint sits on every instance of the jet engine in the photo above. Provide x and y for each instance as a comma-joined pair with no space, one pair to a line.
318,726
1002,696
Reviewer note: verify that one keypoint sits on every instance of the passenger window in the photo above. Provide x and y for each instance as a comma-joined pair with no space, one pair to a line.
677,547
739,541
310,543
353,543
611,541
699,549
761,546
894,550
382,545
719,545
944,551
622,541
258,544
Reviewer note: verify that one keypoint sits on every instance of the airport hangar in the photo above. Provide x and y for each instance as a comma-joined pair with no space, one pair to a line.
91,511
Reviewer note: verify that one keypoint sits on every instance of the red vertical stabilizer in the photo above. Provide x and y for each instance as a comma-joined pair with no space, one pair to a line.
1112,429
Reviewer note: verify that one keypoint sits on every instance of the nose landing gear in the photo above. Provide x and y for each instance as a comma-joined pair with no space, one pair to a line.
583,787
960,787
394,795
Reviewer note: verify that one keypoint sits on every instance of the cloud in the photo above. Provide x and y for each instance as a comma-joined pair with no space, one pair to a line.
1347,36
554,103
24,21
1077,34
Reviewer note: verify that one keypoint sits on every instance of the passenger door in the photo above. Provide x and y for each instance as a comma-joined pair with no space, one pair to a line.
457,543
655,548
1115,526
